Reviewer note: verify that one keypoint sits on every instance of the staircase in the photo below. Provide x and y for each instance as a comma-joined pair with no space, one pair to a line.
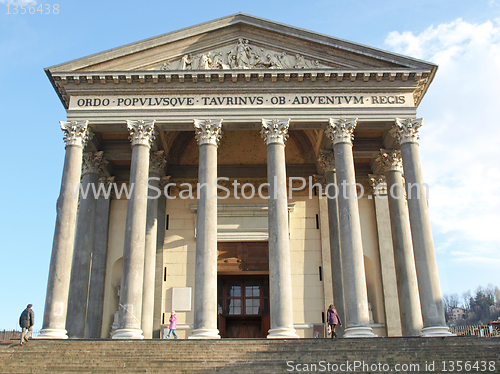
252,355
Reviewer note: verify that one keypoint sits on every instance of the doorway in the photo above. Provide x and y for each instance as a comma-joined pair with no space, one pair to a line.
243,289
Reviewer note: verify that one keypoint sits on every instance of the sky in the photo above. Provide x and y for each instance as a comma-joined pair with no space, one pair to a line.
459,139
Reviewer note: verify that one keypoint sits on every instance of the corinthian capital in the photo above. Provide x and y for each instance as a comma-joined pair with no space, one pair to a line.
106,190
406,130
94,162
208,132
76,133
341,130
378,184
141,132
274,131
327,160
157,162
390,160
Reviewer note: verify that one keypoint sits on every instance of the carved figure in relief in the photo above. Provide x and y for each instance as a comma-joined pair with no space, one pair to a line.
242,59
261,60
232,61
315,64
205,61
185,62
241,56
287,61
253,57
195,64
165,66
300,62
218,61
274,61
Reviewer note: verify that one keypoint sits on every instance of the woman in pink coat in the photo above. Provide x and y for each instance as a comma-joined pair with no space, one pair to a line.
333,319
173,325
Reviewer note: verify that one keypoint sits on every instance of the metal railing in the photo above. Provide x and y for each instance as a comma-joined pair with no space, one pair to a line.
479,330
15,334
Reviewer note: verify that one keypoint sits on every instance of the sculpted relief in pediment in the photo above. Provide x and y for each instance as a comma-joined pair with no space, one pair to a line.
241,56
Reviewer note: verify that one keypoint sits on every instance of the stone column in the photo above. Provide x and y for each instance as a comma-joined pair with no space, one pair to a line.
431,301
406,276
156,165
93,167
130,306
99,256
327,162
208,135
357,318
388,269
275,133
54,320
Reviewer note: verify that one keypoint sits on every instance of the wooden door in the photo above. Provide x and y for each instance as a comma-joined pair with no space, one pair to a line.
243,306
243,289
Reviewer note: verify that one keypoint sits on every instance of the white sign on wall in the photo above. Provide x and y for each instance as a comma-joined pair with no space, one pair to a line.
181,299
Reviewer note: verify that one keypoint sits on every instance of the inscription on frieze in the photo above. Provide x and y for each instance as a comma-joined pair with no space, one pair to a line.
265,100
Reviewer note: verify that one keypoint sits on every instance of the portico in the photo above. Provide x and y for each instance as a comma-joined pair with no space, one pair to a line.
236,113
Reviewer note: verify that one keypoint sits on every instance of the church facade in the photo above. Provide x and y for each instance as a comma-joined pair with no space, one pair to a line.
245,174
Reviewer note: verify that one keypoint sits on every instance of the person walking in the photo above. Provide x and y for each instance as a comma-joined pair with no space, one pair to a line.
26,321
173,325
333,319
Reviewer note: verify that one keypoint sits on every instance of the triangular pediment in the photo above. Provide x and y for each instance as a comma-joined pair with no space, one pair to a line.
241,42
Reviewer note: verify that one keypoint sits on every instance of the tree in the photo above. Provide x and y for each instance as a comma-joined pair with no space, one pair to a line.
481,303
481,308
466,296
449,302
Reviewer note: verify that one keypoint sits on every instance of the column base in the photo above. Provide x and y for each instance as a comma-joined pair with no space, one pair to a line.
282,333
205,334
127,334
52,334
359,332
436,331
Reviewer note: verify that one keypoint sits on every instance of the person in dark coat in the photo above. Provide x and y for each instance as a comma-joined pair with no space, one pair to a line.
333,319
26,321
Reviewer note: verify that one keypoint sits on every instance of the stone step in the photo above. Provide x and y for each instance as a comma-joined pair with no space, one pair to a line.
235,356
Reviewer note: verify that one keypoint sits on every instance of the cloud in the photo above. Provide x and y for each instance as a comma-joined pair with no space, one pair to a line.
459,139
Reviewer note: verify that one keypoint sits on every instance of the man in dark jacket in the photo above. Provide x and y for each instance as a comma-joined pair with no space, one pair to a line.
26,321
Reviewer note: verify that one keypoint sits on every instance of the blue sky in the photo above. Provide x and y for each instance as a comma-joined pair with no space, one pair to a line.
459,139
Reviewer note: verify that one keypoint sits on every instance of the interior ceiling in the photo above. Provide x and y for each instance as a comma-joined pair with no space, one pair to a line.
240,153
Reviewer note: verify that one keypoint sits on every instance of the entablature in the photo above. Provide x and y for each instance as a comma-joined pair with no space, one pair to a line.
70,84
